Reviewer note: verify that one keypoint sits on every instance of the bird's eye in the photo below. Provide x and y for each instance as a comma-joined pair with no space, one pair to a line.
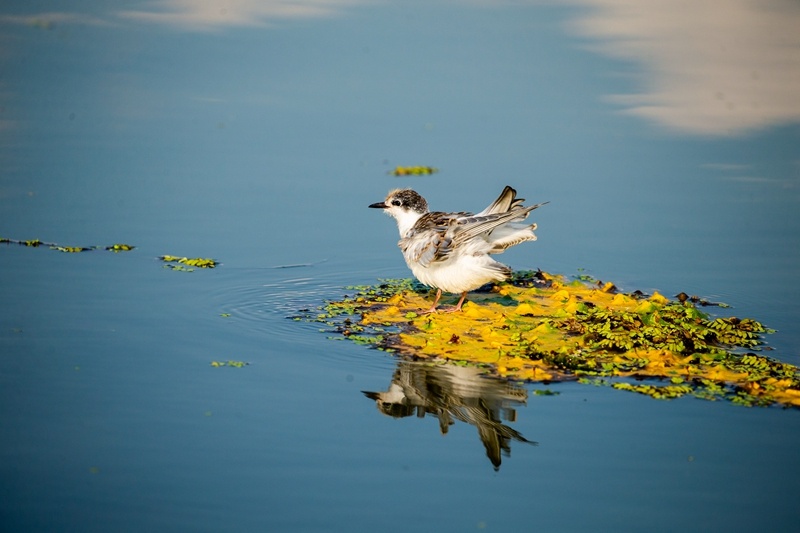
396,202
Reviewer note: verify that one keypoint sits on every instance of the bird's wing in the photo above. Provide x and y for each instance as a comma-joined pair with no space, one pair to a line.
436,234
429,240
469,227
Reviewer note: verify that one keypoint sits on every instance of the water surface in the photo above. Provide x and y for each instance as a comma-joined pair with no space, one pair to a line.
257,135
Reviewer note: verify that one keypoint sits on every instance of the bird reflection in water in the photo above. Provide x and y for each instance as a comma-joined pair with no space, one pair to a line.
450,393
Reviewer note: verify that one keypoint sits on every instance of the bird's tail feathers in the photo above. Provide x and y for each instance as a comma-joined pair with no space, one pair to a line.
505,202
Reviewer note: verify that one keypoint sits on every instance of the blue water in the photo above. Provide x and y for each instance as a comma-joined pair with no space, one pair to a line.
258,137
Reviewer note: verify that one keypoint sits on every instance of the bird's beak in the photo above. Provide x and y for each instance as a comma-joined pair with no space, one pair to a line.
379,205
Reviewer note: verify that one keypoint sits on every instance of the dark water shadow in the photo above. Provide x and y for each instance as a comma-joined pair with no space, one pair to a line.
450,393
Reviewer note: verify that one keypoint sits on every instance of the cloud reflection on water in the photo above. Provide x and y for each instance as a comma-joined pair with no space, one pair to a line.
203,15
706,67
709,67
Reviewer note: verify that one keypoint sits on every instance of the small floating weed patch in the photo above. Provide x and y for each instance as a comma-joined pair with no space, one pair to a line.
70,249
413,171
35,243
234,364
120,248
543,328
181,263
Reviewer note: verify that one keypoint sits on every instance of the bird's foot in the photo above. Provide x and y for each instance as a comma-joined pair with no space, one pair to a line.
434,310
455,309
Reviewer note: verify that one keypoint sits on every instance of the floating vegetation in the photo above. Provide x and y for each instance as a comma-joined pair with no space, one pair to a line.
413,171
176,263
70,249
120,248
35,243
235,364
543,328
183,264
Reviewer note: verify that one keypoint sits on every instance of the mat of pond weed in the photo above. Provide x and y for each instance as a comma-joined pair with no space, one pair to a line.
540,327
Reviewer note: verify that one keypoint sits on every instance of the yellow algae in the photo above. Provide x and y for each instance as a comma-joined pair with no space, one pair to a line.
524,309
658,298
543,327
562,296
395,300
608,287
472,310
623,300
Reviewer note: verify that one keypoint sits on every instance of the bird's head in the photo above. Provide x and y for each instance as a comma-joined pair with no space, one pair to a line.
405,205
402,200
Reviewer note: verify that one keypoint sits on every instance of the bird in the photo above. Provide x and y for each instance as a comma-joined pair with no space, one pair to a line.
451,251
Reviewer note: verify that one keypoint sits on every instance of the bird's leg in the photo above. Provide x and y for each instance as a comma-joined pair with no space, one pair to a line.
435,301
457,308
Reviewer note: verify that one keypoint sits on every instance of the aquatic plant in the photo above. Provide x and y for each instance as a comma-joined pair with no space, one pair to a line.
70,249
184,264
544,328
120,248
35,243
173,260
234,364
413,171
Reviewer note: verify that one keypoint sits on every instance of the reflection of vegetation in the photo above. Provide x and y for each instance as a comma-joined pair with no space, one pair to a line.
451,392
544,328
413,171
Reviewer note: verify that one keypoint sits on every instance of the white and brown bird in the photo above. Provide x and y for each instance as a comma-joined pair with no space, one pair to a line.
451,251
